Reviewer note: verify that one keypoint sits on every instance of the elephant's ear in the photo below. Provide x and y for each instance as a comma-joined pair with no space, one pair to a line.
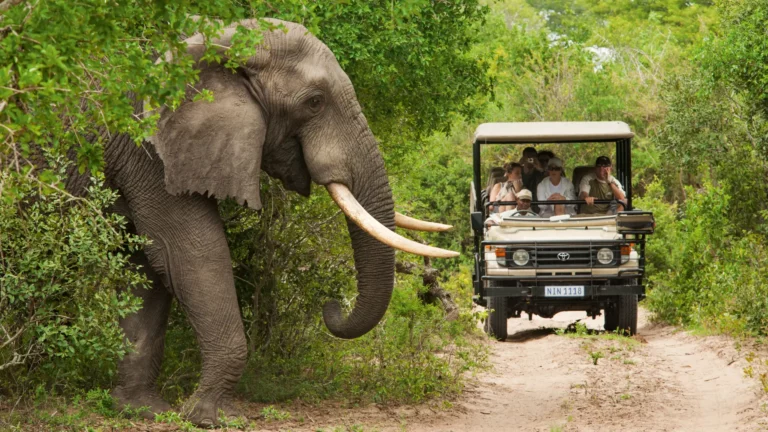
214,147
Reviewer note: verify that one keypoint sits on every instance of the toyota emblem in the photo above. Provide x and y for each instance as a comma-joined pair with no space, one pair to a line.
563,256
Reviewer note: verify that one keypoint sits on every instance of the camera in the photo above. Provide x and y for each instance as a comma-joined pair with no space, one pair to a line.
530,160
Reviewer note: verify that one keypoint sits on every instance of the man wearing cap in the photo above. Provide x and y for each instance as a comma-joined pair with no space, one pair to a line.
555,188
600,185
523,209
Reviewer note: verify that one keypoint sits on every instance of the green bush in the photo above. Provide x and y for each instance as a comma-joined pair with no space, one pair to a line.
704,271
413,355
62,264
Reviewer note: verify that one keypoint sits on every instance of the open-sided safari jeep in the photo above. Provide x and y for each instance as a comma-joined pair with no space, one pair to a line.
542,266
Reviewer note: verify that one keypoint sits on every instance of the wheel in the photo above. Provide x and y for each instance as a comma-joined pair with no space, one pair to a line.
496,323
627,314
611,316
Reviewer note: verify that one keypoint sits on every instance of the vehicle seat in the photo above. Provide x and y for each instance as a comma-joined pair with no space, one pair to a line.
496,175
578,174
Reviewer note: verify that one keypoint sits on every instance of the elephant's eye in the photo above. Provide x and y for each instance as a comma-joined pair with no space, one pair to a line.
315,102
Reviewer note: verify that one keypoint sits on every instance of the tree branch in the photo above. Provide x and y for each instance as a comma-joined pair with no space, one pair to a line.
435,292
11,338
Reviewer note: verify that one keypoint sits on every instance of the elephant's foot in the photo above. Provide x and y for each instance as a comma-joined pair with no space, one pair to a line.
135,398
204,409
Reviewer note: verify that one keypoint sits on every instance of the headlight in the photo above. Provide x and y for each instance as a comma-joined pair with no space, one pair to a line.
605,256
520,257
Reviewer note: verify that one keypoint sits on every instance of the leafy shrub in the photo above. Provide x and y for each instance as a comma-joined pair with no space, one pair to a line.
413,355
703,271
62,266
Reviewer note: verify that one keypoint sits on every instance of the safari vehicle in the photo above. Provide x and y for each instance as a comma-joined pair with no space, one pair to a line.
543,266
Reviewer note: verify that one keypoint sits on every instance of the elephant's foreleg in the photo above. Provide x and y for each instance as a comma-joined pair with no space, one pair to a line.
138,370
189,250
206,290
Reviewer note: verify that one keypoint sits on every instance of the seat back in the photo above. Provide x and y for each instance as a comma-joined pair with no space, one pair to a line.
496,175
578,173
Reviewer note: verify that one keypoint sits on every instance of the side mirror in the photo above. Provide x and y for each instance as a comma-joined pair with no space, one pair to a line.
476,218
635,222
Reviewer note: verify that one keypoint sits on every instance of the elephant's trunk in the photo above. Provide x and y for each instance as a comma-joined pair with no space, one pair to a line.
374,260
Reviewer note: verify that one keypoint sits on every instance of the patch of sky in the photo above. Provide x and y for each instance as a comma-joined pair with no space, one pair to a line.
546,13
601,56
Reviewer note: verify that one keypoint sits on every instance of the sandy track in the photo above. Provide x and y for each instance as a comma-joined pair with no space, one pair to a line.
663,380
666,381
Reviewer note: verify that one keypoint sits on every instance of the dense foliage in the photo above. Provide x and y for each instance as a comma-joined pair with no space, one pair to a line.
715,131
62,274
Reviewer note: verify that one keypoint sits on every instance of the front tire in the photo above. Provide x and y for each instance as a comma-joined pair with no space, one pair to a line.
611,315
626,311
496,323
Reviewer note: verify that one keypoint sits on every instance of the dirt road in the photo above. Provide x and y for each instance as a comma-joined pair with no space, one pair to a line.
661,380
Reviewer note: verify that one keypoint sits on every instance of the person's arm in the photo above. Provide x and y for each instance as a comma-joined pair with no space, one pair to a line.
495,191
618,191
542,194
570,195
584,190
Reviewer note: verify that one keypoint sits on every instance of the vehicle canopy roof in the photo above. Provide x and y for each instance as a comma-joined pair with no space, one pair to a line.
552,132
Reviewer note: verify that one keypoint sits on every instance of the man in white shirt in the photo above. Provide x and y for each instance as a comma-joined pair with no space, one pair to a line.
556,188
600,185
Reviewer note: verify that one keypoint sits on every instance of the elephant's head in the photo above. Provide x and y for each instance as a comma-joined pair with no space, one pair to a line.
292,111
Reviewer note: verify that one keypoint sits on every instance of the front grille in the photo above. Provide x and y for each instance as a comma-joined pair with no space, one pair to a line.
553,256
562,256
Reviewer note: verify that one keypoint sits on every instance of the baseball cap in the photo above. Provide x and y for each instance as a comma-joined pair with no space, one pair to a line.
524,194
603,161
555,162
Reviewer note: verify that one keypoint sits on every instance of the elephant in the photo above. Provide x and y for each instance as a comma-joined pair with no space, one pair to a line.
292,111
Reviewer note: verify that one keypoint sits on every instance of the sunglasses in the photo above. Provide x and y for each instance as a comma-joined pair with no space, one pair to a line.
554,168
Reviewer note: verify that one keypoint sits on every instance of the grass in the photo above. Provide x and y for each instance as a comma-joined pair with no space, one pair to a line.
757,368
273,414
596,355
94,410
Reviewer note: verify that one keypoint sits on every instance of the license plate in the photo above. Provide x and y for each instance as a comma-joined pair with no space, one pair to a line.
564,291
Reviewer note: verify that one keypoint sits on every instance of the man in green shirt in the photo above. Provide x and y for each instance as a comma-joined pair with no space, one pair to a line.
600,185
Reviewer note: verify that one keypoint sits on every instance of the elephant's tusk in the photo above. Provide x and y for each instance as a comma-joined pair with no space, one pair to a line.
349,205
410,223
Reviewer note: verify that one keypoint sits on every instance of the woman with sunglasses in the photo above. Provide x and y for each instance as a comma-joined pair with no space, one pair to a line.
555,188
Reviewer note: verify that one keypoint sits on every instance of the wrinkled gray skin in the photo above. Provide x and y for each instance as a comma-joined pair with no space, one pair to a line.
291,111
